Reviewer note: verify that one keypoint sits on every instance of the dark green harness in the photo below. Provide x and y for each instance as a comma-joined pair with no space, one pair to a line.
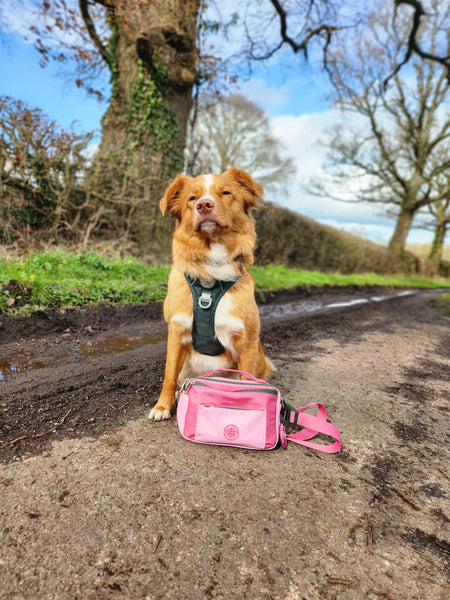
206,300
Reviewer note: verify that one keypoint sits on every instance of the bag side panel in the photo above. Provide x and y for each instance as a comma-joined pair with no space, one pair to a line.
182,408
273,423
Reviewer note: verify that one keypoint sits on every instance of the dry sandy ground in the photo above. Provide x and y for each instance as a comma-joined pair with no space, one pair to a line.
134,511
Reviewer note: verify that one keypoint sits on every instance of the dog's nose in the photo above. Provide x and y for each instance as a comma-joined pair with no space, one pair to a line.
204,206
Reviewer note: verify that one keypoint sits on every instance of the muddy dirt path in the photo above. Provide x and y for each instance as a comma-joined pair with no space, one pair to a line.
99,503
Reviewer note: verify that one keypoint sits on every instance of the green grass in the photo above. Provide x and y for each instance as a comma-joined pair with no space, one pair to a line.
63,279
271,278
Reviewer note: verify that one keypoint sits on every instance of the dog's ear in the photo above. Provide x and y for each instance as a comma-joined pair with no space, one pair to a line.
255,190
170,201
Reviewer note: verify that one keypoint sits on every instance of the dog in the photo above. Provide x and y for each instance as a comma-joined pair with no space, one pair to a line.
210,308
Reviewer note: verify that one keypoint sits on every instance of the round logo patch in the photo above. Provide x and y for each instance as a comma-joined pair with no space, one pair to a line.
231,432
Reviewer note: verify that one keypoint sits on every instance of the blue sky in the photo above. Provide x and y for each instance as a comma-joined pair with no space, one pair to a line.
21,77
292,92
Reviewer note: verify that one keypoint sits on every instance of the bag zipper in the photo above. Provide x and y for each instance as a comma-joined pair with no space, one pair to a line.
233,408
261,387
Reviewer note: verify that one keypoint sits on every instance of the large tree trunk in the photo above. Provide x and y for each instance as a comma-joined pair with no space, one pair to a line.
398,240
438,243
153,60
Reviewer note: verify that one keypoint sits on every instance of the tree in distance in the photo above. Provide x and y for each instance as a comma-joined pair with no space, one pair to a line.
397,151
234,131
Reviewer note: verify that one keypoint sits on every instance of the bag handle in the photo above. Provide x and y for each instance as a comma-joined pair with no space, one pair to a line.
243,373
312,425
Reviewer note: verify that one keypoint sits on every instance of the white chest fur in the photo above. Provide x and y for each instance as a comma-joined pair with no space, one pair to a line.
219,264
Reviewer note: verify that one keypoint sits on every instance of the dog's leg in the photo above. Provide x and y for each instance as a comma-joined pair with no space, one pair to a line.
247,358
176,354
253,361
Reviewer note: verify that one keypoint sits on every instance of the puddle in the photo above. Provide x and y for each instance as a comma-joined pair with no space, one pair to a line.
290,308
405,293
349,303
20,362
312,305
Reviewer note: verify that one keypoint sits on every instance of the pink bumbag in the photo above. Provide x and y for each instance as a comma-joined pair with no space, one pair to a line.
246,413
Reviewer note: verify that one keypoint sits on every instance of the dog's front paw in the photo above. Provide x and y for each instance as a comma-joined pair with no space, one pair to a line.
159,414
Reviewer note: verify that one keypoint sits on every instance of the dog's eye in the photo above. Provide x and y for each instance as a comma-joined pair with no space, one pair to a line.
192,198
226,193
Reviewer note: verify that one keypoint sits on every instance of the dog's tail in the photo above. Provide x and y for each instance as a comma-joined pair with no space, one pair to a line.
265,366
270,367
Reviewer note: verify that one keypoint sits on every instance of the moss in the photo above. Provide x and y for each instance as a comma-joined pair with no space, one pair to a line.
149,118
113,63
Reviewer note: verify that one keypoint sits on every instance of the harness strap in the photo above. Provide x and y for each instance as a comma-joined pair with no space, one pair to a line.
206,300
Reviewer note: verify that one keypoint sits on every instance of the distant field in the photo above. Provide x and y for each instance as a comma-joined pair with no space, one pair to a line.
63,279
424,250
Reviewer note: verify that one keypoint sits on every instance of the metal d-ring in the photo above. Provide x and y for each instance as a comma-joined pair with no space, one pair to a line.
205,300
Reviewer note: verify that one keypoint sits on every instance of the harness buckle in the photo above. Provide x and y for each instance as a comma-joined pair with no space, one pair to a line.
205,300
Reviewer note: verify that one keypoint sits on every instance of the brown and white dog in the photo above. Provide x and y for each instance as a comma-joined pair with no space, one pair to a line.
213,242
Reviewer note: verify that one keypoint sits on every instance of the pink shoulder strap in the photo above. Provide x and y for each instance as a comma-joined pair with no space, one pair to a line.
312,425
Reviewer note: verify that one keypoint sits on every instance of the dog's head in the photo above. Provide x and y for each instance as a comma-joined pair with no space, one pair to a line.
211,205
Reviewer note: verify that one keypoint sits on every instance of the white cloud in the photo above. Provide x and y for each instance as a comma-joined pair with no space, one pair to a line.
302,135
271,99
19,20
27,14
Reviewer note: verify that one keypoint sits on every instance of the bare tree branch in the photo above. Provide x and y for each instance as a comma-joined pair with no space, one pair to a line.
84,10
413,45
303,45
323,30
